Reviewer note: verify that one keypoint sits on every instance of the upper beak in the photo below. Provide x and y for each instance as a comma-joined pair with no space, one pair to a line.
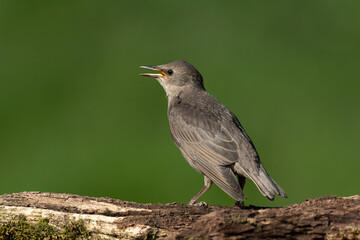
153,75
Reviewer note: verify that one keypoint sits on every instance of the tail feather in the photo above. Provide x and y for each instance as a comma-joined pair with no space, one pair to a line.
266,185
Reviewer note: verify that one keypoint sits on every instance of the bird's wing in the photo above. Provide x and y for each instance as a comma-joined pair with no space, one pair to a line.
217,148
210,149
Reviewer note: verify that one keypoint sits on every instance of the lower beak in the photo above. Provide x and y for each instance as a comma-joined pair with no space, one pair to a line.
153,75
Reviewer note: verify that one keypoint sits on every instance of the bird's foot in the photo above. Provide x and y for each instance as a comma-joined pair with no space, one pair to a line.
240,204
199,204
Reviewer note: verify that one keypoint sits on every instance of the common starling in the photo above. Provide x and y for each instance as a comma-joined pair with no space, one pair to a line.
209,136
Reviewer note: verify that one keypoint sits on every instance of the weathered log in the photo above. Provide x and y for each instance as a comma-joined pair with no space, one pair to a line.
325,217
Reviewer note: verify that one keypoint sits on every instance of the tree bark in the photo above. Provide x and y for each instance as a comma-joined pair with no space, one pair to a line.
325,217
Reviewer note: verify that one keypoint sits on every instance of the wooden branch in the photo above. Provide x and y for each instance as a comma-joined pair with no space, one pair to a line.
325,217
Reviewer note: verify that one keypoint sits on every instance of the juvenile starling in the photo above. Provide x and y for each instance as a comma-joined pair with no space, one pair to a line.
209,136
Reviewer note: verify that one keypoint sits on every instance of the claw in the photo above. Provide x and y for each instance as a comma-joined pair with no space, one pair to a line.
240,204
199,204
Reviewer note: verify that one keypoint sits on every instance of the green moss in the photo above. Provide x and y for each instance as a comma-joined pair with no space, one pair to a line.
238,219
234,220
148,236
20,228
347,232
75,230
199,238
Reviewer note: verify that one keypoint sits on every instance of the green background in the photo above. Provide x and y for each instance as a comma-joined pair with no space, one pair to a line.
75,117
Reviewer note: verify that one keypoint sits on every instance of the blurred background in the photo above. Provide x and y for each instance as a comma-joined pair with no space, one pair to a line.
75,117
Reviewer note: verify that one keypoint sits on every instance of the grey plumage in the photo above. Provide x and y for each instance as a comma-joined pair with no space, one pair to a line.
209,136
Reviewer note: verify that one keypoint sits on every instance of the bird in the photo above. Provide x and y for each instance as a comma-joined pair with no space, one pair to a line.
209,135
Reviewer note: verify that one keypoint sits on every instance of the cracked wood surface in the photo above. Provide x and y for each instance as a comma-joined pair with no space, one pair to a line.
325,217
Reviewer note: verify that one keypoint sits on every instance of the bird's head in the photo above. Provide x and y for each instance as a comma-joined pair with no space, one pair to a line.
176,76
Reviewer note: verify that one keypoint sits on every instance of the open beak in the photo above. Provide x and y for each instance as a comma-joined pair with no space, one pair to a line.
153,75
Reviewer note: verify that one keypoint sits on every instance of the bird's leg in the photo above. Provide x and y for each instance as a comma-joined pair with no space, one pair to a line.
240,204
241,181
207,186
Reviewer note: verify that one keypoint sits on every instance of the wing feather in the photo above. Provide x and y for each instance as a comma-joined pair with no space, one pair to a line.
209,151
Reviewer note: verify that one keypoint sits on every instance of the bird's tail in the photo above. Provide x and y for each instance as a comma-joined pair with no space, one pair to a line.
267,186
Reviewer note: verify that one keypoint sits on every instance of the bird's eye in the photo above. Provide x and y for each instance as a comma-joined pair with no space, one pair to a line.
170,72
